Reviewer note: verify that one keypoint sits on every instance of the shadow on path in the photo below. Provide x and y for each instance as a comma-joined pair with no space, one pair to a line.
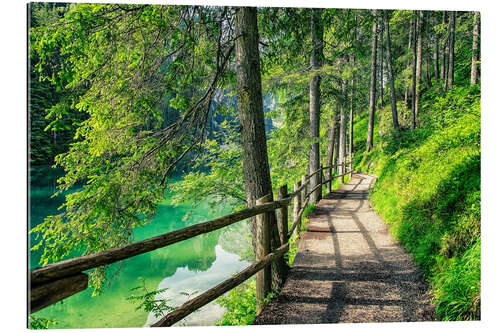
349,269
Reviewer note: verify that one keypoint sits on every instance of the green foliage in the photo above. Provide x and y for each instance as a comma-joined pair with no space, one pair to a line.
458,289
428,190
46,141
292,251
217,172
241,305
123,67
39,323
147,300
309,209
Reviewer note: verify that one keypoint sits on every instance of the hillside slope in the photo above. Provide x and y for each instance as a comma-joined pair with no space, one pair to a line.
428,191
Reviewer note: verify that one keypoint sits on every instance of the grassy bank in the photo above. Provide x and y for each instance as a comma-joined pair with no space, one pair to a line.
428,191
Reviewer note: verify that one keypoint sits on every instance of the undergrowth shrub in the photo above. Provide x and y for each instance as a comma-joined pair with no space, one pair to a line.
240,303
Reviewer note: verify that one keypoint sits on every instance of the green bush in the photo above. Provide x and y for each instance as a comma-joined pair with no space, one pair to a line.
240,303
38,323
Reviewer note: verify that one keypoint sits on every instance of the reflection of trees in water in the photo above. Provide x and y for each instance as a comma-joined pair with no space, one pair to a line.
203,251
198,254
236,239
42,187
43,181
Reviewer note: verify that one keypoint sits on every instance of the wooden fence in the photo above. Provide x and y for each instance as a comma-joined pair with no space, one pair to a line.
57,281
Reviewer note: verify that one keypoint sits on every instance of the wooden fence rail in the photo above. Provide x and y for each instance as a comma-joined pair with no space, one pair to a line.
54,282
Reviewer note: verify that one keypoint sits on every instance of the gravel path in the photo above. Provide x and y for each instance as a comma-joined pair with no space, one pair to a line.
349,268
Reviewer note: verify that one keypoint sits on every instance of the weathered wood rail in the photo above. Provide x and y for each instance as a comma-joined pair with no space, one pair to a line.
54,282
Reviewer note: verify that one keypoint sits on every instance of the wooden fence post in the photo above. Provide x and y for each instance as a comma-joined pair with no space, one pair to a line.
343,168
304,190
320,181
282,215
263,230
329,173
297,205
350,160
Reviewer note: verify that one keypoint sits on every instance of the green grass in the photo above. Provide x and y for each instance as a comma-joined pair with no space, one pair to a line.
428,191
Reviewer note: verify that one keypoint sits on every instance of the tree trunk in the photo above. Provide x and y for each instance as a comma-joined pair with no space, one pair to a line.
315,95
475,42
331,148
341,168
395,122
451,62
351,115
414,71
253,135
381,86
428,69
419,62
351,130
444,53
336,139
407,92
369,139
436,53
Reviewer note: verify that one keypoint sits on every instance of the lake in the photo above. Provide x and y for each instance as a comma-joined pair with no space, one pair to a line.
191,266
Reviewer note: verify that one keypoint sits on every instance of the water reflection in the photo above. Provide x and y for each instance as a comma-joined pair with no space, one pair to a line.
189,281
195,264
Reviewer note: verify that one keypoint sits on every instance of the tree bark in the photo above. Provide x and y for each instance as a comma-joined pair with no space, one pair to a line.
331,148
381,85
336,139
428,60
263,277
315,95
351,115
436,53
341,168
475,42
451,56
253,135
414,71
444,53
407,92
420,21
369,139
351,130
395,122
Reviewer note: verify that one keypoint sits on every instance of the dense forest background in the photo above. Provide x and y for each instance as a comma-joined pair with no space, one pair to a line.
124,97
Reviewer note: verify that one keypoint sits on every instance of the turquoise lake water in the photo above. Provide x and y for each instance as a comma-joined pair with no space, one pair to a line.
194,265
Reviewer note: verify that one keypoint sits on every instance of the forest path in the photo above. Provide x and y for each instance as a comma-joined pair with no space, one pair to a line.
349,268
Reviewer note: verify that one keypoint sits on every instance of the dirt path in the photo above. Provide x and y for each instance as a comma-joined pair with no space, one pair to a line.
349,268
